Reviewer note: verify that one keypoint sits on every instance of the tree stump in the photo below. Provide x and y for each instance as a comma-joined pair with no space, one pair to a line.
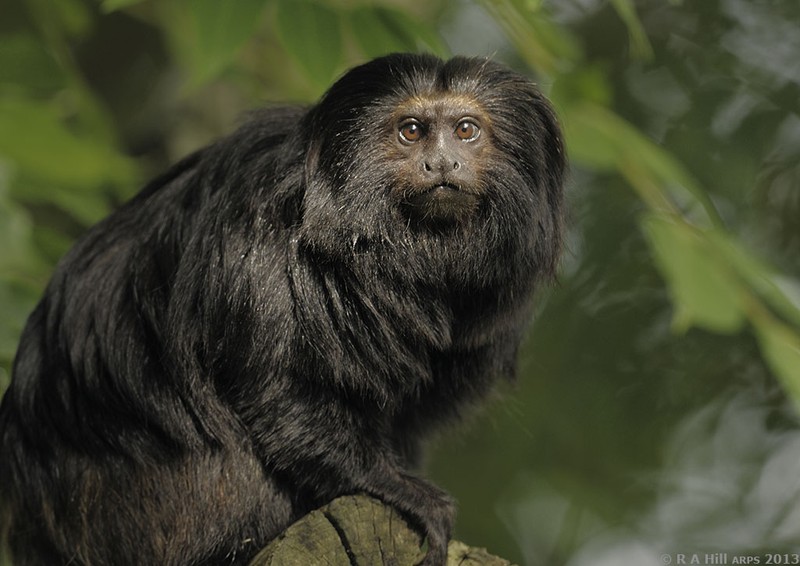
359,531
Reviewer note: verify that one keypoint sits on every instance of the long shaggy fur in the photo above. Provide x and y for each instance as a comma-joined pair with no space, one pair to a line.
262,329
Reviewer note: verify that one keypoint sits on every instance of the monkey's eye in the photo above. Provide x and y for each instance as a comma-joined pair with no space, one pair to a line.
410,132
467,130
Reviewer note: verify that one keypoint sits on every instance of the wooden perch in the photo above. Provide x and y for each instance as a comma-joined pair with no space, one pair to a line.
359,531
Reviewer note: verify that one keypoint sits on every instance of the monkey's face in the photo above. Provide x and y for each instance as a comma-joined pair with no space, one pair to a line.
453,165
436,147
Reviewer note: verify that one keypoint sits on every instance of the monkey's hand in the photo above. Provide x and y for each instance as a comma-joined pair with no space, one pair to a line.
428,508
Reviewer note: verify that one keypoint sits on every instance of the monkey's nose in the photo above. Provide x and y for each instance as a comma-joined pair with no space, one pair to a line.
441,165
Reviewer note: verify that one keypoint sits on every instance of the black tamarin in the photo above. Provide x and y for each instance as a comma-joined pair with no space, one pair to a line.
281,318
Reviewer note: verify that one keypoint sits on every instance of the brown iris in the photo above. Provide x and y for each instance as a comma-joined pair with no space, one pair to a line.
467,131
411,131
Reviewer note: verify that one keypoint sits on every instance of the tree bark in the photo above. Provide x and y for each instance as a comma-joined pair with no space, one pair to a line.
359,531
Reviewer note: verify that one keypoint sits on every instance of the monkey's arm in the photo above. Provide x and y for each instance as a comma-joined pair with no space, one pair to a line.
328,446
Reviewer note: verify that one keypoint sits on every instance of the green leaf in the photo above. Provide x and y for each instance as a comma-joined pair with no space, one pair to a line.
640,44
24,62
704,291
54,165
18,301
16,233
311,34
539,41
34,138
219,29
379,31
592,136
73,17
113,5
426,36
50,242
599,138
22,272
776,289
781,349
587,83
86,205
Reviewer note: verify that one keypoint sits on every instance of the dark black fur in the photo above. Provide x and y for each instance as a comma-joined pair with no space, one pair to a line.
262,329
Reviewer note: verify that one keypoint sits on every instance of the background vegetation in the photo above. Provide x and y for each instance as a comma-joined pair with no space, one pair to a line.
656,408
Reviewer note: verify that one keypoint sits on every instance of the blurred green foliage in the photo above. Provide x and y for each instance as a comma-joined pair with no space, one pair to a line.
97,96
64,157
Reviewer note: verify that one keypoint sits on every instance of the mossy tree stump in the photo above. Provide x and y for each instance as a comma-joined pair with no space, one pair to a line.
359,531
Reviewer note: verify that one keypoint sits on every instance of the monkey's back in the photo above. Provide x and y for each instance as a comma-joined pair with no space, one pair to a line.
99,421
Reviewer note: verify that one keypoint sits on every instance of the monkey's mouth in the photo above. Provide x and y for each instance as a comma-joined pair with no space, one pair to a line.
442,203
444,187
